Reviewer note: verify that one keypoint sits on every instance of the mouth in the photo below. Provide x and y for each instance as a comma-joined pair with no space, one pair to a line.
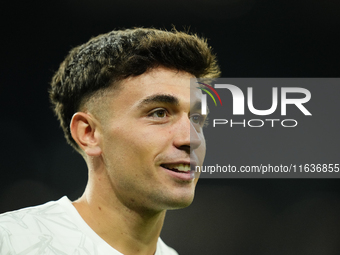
179,168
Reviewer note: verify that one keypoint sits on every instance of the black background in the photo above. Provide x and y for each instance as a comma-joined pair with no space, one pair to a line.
252,38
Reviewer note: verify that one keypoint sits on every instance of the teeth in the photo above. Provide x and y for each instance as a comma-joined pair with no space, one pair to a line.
179,167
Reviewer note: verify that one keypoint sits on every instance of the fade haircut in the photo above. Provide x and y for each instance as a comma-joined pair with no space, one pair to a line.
109,58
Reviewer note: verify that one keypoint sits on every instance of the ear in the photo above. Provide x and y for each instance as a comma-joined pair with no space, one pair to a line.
85,131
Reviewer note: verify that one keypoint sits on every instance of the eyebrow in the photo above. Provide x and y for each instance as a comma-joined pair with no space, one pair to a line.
197,106
159,98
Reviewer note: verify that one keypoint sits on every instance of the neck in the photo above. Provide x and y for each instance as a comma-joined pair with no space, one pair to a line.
128,229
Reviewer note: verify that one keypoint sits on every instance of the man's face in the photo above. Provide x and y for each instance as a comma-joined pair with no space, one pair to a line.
146,141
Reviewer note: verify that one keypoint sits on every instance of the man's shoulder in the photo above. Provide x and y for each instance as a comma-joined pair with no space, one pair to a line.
27,219
34,228
31,217
54,227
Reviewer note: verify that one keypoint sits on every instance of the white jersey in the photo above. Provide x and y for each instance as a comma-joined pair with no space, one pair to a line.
54,228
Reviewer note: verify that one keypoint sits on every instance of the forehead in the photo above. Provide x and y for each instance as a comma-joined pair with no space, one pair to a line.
160,77
157,81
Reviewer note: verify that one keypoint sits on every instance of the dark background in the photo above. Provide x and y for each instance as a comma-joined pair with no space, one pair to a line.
253,38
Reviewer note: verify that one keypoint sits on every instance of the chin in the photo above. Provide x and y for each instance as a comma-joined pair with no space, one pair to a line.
181,201
174,197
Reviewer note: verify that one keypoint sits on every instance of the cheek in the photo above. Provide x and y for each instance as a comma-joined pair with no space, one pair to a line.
124,153
201,150
135,145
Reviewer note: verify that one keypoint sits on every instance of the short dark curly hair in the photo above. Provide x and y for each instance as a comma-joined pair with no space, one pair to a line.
108,58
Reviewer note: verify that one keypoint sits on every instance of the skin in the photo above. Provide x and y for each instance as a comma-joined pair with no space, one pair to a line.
153,120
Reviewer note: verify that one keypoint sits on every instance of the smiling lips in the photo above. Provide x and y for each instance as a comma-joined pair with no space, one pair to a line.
177,167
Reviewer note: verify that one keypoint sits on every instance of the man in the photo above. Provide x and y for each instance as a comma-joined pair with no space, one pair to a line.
123,101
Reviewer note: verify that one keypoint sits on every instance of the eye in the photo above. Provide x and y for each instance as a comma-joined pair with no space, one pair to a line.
197,119
160,113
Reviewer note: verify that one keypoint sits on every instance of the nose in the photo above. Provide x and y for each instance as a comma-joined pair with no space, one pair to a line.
187,137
